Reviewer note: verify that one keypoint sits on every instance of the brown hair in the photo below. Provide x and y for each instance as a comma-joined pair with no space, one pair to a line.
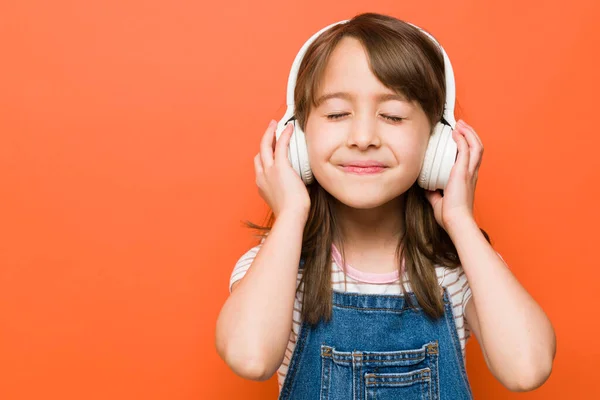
408,62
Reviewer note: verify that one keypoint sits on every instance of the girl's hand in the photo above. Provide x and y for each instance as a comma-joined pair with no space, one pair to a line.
456,205
278,184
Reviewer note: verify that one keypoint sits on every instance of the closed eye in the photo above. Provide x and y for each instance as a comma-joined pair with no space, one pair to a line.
388,117
391,118
336,116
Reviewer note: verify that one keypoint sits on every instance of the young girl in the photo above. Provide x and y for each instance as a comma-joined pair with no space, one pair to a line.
368,281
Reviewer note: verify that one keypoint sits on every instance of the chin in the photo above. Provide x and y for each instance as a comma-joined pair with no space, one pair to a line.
360,204
364,192
362,201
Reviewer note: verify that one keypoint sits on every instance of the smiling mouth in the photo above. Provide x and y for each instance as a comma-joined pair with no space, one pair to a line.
367,170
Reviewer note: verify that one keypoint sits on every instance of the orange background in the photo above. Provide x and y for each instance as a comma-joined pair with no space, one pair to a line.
127,133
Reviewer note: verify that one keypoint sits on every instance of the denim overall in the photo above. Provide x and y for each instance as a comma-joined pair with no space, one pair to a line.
376,347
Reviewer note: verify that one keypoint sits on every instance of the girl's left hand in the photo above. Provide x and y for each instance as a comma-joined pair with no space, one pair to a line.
456,205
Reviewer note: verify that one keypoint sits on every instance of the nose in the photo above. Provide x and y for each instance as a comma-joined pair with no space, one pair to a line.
363,133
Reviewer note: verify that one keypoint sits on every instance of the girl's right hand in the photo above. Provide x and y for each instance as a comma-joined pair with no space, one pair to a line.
278,184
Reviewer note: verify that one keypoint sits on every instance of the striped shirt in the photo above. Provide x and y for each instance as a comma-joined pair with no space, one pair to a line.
345,278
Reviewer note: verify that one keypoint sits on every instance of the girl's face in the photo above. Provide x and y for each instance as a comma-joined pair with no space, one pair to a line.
359,121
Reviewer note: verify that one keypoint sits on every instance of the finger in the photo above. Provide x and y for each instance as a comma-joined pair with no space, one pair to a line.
462,161
260,175
475,147
472,132
472,135
433,196
266,145
281,149
258,168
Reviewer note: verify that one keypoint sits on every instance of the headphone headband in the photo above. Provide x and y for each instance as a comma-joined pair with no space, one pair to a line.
449,75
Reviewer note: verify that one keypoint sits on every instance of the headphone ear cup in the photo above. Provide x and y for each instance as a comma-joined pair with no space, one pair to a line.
440,157
293,153
299,155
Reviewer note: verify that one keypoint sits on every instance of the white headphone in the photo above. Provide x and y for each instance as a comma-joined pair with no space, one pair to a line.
441,150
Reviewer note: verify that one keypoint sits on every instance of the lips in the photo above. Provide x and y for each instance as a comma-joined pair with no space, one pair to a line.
363,167
364,164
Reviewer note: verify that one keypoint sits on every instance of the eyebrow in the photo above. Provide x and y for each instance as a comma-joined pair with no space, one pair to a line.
347,96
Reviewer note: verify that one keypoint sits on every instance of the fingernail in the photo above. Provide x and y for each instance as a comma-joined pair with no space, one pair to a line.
272,122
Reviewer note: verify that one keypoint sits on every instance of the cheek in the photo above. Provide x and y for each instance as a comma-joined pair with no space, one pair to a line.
321,143
319,149
409,150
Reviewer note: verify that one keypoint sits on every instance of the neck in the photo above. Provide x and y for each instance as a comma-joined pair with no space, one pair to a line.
378,227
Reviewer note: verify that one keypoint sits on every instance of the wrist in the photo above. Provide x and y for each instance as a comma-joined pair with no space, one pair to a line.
457,225
293,217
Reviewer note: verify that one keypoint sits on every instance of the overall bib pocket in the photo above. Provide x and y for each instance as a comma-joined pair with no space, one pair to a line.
369,375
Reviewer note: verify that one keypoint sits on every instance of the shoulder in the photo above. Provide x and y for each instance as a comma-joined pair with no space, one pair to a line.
245,261
243,264
455,281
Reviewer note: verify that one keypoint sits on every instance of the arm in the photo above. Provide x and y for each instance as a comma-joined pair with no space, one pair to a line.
516,337
253,327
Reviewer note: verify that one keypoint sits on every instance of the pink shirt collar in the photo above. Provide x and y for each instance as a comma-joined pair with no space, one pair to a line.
367,277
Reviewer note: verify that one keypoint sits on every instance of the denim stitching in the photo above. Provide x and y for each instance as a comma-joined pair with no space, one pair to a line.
400,379
454,337
288,383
